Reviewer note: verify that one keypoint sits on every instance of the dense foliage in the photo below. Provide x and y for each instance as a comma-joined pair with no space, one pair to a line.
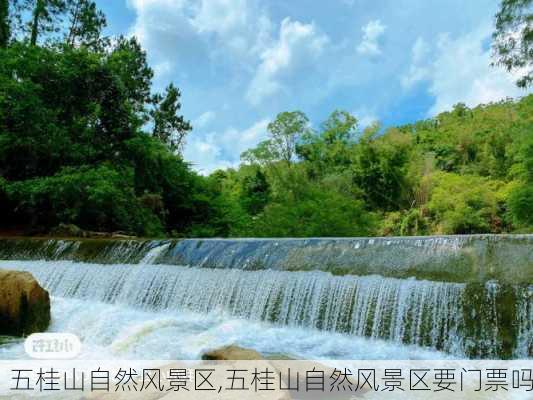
464,171
74,147
84,141
513,39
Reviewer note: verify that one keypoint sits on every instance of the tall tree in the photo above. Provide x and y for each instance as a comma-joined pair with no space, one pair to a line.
5,30
169,127
86,23
331,148
513,39
46,16
128,61
4,23
341,126
16,11
285,131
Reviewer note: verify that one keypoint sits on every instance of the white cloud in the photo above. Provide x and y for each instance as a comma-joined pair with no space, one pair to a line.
365,117
458,70
242,59
203,120
419,70
199,29
220,16
214,150
372,33
298,43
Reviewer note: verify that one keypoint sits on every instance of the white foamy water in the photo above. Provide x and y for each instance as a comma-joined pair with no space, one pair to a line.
120,332
402,310
168,311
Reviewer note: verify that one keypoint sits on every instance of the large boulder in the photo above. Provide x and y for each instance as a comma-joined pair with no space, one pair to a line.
24,304
232,353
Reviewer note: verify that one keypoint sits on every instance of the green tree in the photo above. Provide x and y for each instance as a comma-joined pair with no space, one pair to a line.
255,192
65,108
306,209
285,131
521,206
85,24
520,200
513,38
98,198
331,149
128,61
380,166
169,127
45,17
5,29
466,204
160,174
263,154
72,108
73,145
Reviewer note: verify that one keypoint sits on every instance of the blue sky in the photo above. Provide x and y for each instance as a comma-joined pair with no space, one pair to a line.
240,62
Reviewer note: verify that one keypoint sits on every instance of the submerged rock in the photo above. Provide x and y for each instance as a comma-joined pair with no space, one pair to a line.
24,304
232,353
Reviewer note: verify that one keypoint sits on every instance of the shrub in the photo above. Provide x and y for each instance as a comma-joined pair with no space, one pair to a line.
96,198
462,204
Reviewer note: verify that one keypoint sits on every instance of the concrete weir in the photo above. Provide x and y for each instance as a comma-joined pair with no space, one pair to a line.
466,295
460,258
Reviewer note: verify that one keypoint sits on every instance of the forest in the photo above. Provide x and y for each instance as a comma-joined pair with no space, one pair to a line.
84,140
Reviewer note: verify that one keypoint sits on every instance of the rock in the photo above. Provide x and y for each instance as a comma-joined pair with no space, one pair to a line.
24,305
232,353
121,235
68,230
71,230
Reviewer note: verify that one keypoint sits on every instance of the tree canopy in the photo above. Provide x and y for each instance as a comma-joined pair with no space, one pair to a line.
513,38
75,140
85,140
467,170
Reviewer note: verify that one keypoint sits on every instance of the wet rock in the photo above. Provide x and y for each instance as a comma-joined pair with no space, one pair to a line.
24,304
232,353
122,235
71,230
68,230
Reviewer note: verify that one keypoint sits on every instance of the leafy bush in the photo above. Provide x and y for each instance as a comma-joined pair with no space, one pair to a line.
97,198
520,204
463,204
306,209
411,222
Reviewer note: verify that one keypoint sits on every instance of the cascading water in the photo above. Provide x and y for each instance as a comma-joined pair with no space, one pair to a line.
153,254
416,312
432,293
524,348
421,313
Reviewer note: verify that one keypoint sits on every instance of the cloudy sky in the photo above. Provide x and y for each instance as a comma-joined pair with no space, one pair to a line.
240,62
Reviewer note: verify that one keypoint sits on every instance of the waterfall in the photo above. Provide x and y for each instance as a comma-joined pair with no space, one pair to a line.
524,346
153,254
467,258
467,295
410,311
